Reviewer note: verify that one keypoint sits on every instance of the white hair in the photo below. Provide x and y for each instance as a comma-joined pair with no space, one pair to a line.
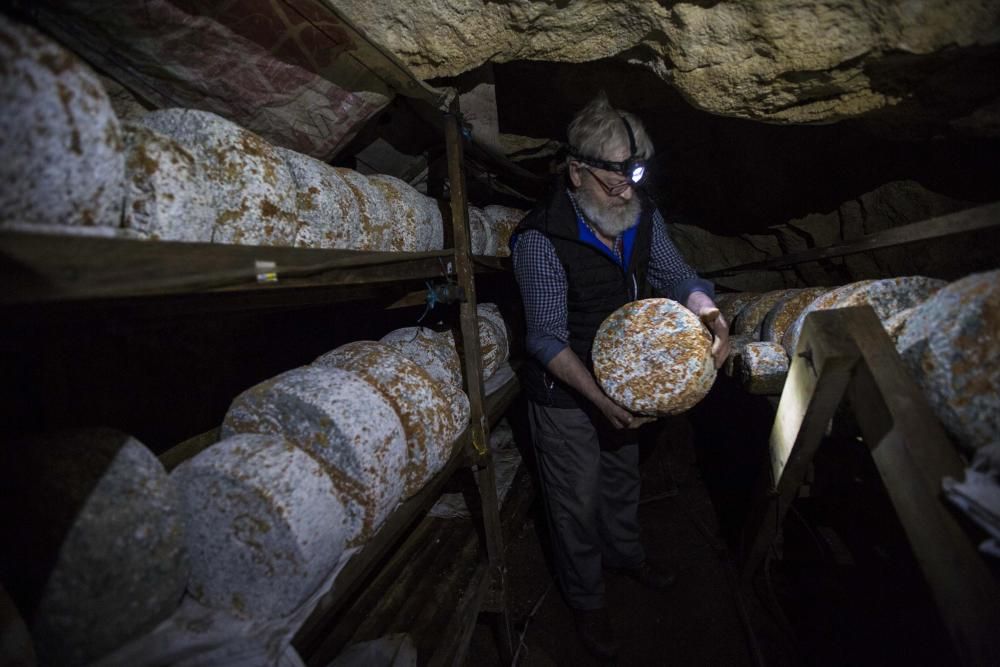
597,131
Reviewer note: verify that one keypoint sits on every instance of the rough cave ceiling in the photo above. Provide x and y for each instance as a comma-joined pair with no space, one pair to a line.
762,111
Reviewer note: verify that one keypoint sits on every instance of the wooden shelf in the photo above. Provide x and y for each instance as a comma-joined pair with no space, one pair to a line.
49,269
431,588
361,566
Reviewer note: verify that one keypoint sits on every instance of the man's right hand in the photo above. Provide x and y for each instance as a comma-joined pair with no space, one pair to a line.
567,367
620,417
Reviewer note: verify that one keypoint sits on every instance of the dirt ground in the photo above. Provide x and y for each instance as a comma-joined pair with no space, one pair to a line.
837,590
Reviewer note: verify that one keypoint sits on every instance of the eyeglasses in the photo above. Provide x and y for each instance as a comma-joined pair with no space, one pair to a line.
610,190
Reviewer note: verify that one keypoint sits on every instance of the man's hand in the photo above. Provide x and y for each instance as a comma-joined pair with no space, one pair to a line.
567,367
711,317
620,417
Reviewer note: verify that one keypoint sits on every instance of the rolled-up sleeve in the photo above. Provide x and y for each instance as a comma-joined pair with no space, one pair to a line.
542,281
668,272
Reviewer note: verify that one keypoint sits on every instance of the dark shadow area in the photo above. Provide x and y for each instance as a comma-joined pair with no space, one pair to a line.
732,175
164,379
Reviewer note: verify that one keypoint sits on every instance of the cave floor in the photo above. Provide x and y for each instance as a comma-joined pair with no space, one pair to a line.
697,621
841,590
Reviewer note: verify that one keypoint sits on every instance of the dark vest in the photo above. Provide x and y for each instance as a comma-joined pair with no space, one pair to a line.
597,286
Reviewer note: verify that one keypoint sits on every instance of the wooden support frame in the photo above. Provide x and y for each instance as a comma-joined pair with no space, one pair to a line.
845,353
496,599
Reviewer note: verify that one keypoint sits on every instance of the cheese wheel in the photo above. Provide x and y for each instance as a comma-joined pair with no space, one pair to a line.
265,525
482,237
823,302
504,221
949,342
63,163
345,423
428,421
99,549
408,213
752,314
732,303
252,190
375,226
784,313
328,211
763,367
165,197
654,357
887,297
433,352
736,345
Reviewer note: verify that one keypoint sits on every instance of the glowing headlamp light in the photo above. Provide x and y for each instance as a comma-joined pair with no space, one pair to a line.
634,168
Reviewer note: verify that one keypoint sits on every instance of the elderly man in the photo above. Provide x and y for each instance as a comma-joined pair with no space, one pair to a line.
595,244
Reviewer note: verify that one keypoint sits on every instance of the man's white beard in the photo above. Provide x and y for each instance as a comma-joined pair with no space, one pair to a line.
611,218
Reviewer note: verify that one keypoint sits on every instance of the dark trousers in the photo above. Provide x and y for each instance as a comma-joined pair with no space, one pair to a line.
591,496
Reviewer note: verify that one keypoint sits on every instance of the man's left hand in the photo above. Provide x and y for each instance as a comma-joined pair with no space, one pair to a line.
701,305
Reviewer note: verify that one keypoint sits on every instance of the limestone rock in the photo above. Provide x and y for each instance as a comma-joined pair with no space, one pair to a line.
654,357
780,61
345,423
265,525
949,343
125,105
100,542
252,190
61,143
420,402
165,198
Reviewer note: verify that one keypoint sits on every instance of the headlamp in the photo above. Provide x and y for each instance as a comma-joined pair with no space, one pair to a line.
634,168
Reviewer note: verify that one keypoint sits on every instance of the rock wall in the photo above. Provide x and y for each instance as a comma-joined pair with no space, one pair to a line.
894,204
793,61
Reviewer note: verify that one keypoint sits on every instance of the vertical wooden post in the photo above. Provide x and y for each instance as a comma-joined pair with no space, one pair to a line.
471,358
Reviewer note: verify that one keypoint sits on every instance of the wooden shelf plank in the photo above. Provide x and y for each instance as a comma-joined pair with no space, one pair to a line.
41,268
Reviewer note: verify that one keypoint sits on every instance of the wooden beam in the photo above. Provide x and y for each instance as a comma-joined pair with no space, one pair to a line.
969,220
817,380
38,268
847,352
380,61
913,454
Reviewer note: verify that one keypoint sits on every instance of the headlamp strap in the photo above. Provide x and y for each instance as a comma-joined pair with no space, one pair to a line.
632,150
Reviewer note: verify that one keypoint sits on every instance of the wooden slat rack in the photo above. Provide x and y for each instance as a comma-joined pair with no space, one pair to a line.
47,276
844,355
